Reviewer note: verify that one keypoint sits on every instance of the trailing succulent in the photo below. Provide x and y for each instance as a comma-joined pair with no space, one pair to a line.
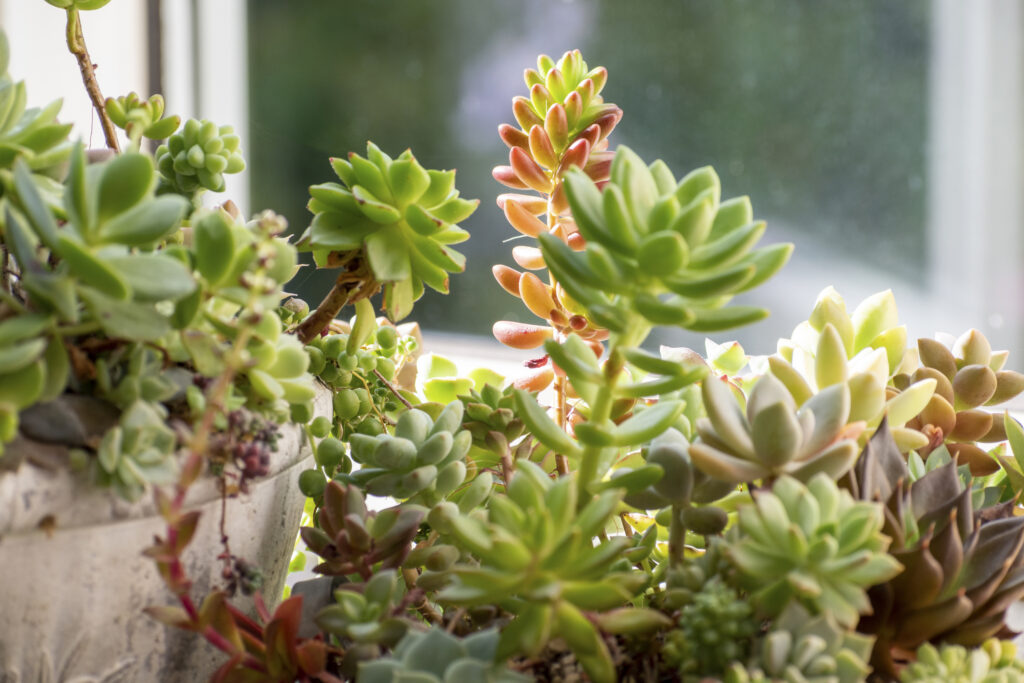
822,514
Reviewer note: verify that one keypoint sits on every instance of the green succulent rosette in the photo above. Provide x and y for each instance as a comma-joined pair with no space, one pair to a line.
140,118
813,545
664,251
393,219
436,656
536,558
198,156
995,661
31,134
805,648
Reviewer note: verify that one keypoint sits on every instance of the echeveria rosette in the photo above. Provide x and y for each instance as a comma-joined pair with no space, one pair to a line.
964,567
367,614
394,217
536,557
773,437
970,379
812,544
995,661
805,648
661,251
140,450
436,656
863,350
197,157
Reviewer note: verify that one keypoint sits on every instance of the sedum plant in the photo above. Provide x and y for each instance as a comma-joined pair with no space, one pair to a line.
615,513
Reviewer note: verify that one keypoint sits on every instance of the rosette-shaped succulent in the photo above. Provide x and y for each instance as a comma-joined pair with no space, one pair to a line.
537,558
139,451
350,539
368,613
33,135
648,236
863,350
423,461
389,222
681,483
715,629
811,544
198,156
490,417
436,656
994,662
963,568
140,118
969,377
805,649
772,437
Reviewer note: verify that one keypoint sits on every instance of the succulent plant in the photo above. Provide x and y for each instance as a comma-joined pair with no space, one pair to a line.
995,661
564,123
811,544
647,235
681,484
366,613
33,135
801,648
423,461
491,410
969,378
389,223
142,118
353,540
436,656
537,560
963,567
716,628
774,438
139,451
198,156
863,350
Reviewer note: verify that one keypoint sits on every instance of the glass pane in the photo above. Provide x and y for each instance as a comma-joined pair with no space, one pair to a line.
816,110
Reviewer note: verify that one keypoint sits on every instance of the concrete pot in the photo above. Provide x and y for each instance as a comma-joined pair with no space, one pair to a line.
71,598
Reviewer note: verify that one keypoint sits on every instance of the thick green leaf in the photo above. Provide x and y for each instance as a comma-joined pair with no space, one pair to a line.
154,277
126,180
35,208
214,245
148,222
125,319
388,254
542,427
91,269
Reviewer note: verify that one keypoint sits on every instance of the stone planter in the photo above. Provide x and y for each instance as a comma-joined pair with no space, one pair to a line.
73,581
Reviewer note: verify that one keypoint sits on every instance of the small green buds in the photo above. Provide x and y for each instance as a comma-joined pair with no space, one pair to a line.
141,118
198,156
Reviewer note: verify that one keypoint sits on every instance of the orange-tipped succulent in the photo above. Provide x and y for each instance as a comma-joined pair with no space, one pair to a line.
564,123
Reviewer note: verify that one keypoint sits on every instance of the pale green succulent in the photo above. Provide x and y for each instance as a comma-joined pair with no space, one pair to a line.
137,452
810,544
436,656
198,156
422,462
800,648
367,614
773,437
995,661
863,350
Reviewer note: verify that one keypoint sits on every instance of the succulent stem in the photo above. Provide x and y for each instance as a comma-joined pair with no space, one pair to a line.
676,537
600,413
76,45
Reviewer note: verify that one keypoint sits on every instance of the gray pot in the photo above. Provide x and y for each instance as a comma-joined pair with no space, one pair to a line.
71,599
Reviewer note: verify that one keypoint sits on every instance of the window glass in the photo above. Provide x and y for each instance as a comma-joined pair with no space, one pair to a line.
817,110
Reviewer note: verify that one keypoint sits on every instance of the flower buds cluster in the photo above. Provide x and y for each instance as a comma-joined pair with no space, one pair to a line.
423,461
198,156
